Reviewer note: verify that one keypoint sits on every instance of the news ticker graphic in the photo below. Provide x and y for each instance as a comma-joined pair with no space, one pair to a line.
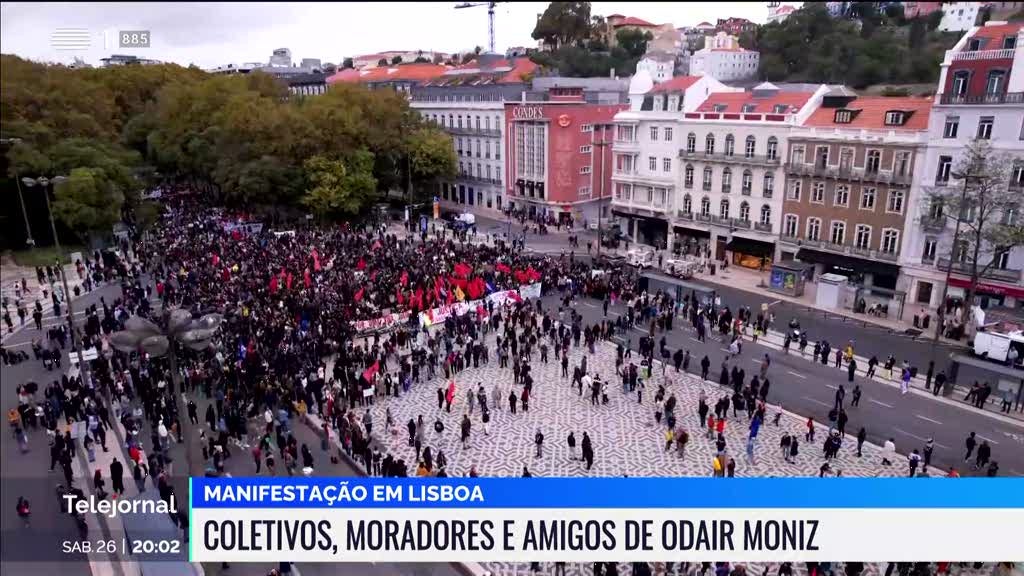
605,519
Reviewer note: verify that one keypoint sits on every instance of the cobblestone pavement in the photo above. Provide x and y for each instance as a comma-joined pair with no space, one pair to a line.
625,437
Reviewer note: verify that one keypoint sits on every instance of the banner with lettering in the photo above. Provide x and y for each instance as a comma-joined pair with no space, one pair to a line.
385,322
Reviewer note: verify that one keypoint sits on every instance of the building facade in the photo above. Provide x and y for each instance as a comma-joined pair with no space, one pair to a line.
778,12
959,16
920,9
980,95
660,65
850,175
735,26
558,157
307,84
723,59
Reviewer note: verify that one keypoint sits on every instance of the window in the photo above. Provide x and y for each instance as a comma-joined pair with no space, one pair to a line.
930,246
624,192
798,155
895,118
489,172
705,206
845,160
666,164
1009,43
584,192
585,170
790,226
1017,176
842,196
766,215
745,212
867,199
749,108
460,120
895,204
586,127
720,107
985,128
794,191
624,134
814,229
822,157
996,82
584,149
936,209
961,250
873,161
843,116
945,167
723,208
838,233
691,143
748,148
747,183
960,81
1010,216
780,108
688,176
654,133
817,193
862,237
769,185
726,180
706,184
709,144
668,134
890,240
687,204
487,122
730,145
773,148
652,163
952,125
901,165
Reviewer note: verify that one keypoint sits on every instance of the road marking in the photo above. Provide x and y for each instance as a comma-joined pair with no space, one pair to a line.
927,419
816,401
725,349
797,374
879,403
694,339
832,386
904,432
774,303
989,440
590,305
755,360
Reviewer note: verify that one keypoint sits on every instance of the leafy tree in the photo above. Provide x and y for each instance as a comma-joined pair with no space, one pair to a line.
347,63
382,62
934,19
633,41
339,188
564,24
438,58
421,60
431,156
89,201
396,60
918,33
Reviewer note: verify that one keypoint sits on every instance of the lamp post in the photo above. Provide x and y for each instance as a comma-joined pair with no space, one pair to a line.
21,198
43,182
141,334
966,177
601,145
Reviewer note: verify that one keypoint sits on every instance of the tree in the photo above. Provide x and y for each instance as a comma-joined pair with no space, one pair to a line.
340,188
633,41
564,24
934,19
421,60
383,62
347,63
88,201
986,211
431,156
396,60
918,33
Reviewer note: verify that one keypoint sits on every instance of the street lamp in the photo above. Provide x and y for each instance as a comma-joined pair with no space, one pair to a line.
141,334
21,198
43,182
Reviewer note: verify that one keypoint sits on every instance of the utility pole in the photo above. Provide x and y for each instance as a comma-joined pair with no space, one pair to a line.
29,241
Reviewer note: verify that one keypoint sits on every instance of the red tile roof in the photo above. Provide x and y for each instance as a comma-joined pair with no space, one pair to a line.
703,24
519,67
785,9
998,31
633,21
346,75
402,72
677,84
734,102
871,113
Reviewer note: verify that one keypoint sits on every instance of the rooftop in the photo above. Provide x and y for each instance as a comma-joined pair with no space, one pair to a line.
734,102
633,21
869,113
490,70
402,72
677,84
998,31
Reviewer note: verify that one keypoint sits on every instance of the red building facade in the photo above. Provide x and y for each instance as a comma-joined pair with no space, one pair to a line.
558,157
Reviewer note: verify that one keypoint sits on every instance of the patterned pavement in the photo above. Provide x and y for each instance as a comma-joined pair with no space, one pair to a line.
625,437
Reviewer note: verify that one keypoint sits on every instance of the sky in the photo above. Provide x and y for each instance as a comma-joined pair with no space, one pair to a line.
213,34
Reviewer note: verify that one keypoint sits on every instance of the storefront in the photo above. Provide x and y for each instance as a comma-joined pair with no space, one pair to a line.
859,271
644,229
690,241
989,295
750,253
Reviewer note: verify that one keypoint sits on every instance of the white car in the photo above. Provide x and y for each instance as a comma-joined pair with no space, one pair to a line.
640,258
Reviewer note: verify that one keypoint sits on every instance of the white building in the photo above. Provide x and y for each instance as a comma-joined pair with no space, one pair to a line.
778,12
281,57
724,59
959,16
980,95
660,65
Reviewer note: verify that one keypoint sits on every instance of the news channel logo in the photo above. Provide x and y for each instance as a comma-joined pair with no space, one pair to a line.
78,39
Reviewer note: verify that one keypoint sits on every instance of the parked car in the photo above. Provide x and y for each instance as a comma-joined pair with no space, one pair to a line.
641,258
681,268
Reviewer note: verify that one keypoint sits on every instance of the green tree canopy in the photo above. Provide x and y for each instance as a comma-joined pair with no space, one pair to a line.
340,188
564,24
88,202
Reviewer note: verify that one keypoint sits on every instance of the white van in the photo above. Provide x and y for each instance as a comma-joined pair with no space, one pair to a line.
641,258
997,347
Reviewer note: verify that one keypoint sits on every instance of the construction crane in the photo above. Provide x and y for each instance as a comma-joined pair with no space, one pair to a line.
490,18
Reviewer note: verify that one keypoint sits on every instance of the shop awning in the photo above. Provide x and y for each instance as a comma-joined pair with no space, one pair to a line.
750,247
986,288
686,230
847,262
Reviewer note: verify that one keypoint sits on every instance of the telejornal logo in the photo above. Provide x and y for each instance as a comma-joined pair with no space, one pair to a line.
70,39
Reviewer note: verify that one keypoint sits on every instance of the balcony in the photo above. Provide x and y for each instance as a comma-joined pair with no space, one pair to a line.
746,191
684,215
755,160
827,246
852,174
626,145
734,223
703,218
1004,98
761,227
933,224
964,269
478,179
467,131
1006,54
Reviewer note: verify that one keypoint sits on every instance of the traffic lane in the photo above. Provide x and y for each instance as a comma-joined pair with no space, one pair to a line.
870,340
808,388
27,475
22,339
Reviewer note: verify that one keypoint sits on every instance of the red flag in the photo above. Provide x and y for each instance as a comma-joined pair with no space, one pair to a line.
401,300
532,275
288,282
273,284
307,279
361,265
419,298
462,270
503,268
216,260
514,296
316,260
405,278
359,295
370,372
